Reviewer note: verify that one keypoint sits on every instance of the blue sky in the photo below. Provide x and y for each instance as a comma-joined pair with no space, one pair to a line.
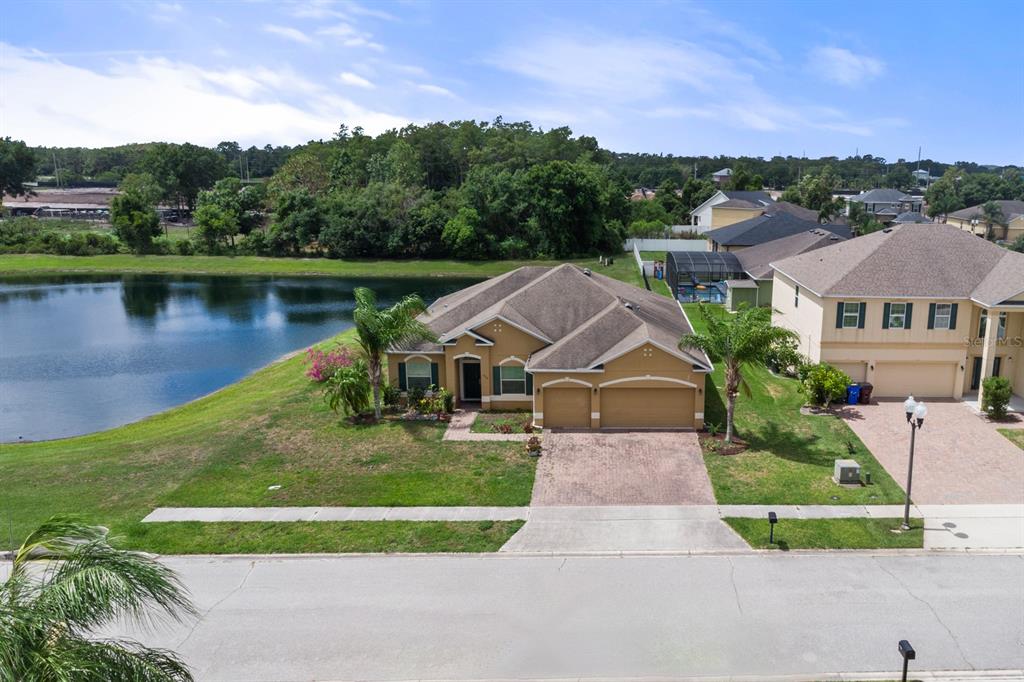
686,78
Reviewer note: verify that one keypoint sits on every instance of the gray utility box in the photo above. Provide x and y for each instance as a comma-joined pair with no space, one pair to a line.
846,471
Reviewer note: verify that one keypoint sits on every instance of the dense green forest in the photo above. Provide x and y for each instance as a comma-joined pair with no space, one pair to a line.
462,189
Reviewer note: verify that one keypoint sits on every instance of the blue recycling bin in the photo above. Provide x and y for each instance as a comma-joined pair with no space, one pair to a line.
852,394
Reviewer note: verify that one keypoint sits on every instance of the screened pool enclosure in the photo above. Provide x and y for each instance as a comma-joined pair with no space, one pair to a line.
701,275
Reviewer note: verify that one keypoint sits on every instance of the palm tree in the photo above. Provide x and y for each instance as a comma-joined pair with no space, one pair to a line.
48,613
378,330
739,340
992,214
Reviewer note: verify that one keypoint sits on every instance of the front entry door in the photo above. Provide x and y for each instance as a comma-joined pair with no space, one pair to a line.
997,367
470,380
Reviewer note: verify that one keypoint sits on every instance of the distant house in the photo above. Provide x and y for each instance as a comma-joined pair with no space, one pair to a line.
886,204
921,310
641,194
721,177
910,217
728,207
766,228
970,219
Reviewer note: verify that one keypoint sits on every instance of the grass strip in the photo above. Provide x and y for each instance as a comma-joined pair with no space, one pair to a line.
829,533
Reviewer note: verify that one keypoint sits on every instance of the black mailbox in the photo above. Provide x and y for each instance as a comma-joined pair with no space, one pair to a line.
907,651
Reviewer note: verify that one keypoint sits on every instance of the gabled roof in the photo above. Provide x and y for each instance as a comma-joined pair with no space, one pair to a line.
915,260
882,196
739,203
911,217
584,318
754,197
724,171
794,209
1011,209
756,261
766,228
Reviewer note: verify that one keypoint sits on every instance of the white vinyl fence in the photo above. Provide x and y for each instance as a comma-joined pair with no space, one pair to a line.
666,244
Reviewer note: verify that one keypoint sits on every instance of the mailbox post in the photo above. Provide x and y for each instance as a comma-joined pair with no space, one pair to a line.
908,654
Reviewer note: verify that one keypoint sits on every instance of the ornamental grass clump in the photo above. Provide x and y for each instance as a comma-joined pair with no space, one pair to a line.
322,365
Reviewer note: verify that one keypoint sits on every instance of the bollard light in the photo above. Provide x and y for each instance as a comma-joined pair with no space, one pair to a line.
908,654
772,520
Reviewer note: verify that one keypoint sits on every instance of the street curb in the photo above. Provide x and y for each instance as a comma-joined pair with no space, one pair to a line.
598,554
921,676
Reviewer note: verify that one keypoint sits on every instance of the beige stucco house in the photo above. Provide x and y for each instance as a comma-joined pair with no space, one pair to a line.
921,309
970,219
576,348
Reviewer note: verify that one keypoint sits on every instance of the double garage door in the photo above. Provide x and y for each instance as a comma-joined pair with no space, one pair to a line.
919,379
670,407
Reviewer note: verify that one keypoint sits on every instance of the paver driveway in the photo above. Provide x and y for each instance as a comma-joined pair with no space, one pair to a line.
621,468
959,458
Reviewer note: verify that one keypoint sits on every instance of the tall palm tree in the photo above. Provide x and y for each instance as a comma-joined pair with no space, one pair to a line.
992,214
65,582
738,340
379,329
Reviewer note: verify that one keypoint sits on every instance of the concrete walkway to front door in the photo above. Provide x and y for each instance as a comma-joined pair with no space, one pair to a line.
960,458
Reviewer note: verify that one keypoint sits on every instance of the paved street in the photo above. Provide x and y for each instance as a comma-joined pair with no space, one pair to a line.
476,617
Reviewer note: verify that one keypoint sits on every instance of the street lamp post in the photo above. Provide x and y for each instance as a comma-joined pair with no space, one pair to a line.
916,412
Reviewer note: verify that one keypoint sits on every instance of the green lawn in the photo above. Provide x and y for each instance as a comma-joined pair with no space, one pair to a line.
491,422
226,449
1016,436
790,456
828,534
325,536
624,267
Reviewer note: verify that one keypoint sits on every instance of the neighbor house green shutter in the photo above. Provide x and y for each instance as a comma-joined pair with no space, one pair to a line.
862,315
952,316
529,384
885,316
433,373
931,316
839,315
908,318
401,376
496,382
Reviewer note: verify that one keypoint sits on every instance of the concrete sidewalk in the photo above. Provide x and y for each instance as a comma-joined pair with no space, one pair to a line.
647,528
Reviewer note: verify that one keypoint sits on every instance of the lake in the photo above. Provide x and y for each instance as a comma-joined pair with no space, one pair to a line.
83,353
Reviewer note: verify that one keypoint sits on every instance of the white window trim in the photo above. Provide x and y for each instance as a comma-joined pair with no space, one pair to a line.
409,377
501,376
948,316
902,316
855,313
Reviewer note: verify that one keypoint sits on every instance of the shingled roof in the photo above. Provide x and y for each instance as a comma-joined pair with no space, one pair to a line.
766,228
915,260
756,261
882,196
1011,209
586,319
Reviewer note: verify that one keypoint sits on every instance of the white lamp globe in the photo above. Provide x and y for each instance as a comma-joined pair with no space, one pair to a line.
920,412
908,405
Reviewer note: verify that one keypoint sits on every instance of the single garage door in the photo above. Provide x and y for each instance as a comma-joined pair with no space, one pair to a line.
919,379
647,407
567,408
857,371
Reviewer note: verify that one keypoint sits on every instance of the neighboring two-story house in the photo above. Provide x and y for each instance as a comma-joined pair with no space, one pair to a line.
727,207
921,309
886,204
972,219
576,348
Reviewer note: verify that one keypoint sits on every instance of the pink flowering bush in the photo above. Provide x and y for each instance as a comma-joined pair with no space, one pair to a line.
321,365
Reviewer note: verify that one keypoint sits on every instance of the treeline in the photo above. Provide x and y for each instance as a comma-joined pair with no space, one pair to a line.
779,172
107,166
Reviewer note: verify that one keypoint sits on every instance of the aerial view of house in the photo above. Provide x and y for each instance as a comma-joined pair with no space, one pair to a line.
765,228
726,207
885,204
576,348
972,219
921,308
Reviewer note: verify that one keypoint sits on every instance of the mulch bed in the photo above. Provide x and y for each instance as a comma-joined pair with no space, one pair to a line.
716,444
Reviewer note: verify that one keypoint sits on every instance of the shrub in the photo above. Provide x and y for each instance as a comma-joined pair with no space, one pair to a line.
784,358
824,384
162,246
533,445
348,388
323,365
254,244
447,400
391,395
995,397
185,247
415,395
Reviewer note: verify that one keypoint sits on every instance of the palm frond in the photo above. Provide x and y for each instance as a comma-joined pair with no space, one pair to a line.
123,661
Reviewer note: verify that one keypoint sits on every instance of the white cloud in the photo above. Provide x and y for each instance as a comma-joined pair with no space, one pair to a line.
167,11
349,78
349,36
839,65
159,99
434,90
288,33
